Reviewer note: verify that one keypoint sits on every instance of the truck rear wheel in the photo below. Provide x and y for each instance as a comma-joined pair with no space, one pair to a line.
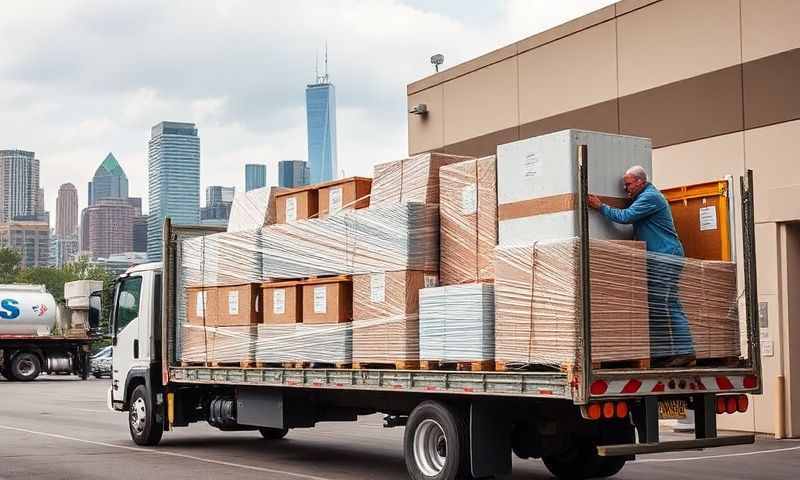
142,418
273,433
25,366
435,443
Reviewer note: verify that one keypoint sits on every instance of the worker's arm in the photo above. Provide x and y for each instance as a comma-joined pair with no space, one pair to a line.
644,205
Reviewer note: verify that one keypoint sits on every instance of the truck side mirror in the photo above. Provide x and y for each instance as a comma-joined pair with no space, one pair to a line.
95,310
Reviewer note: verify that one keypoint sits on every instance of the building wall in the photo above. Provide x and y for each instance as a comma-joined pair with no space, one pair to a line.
712,83
19,184
110,227
174,180
67,211
31,239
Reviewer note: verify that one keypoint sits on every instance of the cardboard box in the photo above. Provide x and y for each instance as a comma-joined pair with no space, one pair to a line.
254,209
414,179
346,193
537,305
537,181
282,302
468,221
296,204
328,300
229,305
215,345
386,315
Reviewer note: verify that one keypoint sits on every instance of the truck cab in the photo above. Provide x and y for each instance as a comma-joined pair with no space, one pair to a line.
136,331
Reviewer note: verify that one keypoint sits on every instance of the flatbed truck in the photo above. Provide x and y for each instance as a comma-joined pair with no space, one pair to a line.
584,422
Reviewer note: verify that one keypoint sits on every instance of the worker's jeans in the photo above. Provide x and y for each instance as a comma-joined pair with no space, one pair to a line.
669,327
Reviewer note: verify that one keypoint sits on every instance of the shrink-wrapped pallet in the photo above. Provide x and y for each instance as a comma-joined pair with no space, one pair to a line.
217,345
537,309
226,258
537,181
304,343
228,305
456,323
414,179
254,209
468,220
386,315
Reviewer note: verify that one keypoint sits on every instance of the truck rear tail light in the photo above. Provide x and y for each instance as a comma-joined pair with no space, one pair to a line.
594,411
598,387
720,405
750,381
730,404
742,402
622,410
608,410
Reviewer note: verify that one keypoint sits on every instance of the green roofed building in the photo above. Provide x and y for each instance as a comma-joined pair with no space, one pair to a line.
109,181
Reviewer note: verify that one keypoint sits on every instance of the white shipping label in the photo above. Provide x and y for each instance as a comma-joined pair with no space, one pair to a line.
431,281
708,218
335,200
320,299
200,304
233,303
533,165
469,199
767,348
279,301
291,209
377,287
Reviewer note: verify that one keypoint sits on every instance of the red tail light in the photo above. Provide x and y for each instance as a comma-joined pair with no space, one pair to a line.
608,410
742,402
730,404
720,405
622,410
598,387
594,411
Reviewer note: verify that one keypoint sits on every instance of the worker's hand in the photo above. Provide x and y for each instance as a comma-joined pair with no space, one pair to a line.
593,201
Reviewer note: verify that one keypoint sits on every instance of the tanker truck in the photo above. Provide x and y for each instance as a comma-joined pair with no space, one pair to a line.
30,343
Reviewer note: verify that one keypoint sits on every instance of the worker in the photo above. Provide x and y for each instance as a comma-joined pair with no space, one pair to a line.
671,342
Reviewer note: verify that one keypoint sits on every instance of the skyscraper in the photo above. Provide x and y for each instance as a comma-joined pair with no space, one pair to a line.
173,179
321,124
218,205
67,211
19,184
293,173
109,181
140,233
110,227
255,176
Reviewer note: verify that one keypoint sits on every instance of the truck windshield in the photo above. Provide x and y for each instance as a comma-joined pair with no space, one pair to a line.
127,302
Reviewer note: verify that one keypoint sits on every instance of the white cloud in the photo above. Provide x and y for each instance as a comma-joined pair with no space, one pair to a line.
80,79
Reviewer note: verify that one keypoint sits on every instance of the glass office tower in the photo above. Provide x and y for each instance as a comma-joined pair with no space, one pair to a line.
293,173
321,123
255,176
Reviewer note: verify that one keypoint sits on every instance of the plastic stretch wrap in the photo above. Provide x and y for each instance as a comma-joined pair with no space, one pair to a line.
325,343
468,223
414,179
457,323
386,315
227,258
643,304
253,209
217,344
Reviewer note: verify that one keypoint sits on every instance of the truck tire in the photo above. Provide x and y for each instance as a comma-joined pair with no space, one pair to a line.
435,443
141,418
25,367
273,433
581,461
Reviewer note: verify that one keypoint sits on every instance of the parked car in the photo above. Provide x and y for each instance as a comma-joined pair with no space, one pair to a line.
101,363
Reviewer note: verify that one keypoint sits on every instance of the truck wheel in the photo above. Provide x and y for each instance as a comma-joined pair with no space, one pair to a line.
141,418
273,433
435,443
582,461
25,367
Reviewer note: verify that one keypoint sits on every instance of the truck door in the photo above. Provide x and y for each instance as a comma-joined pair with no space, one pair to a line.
126,345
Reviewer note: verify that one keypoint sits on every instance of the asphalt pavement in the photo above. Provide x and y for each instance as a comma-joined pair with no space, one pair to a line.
59,428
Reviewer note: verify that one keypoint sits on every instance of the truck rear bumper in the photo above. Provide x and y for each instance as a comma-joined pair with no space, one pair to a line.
674,446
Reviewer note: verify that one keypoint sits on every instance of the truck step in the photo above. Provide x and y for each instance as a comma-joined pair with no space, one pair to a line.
464,366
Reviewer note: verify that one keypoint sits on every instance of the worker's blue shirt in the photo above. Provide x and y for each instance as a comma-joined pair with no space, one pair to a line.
652,221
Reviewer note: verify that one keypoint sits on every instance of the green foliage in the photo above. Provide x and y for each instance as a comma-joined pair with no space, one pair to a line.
9,264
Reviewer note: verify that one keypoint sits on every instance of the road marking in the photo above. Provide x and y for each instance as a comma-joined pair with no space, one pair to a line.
708,457
168,454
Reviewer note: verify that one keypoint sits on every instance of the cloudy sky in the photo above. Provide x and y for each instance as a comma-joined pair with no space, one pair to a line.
81,79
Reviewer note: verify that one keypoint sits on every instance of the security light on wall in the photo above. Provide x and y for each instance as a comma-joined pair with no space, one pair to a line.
437,60
419,109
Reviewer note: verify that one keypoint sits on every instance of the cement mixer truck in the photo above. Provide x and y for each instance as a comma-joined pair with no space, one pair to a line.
33,340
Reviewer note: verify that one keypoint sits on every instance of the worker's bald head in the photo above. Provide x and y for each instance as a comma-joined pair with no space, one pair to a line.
634,180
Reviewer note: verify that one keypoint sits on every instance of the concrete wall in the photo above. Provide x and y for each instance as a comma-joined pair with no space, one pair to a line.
713,83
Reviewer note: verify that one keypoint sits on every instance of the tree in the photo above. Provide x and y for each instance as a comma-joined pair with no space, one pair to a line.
9,264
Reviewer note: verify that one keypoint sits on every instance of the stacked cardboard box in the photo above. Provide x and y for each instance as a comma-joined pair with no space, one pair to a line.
254,209
456,323
537,309
345,193
297,204
411,180
386,315
282,302
327,300
709,299
226,258
468,220
304,343
537,181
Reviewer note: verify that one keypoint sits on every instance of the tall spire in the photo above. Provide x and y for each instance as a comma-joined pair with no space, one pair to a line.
324,77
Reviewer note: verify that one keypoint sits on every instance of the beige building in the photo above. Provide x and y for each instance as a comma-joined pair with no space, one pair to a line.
713,83
30,238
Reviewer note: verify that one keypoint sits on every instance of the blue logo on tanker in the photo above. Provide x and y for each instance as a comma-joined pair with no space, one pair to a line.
9,309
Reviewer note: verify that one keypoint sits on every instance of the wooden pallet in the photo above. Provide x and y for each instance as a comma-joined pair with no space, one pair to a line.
729,362
396,365
301,365
241,364
501,366
636,363
472,366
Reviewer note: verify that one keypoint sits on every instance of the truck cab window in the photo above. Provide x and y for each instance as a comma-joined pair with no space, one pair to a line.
127,302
